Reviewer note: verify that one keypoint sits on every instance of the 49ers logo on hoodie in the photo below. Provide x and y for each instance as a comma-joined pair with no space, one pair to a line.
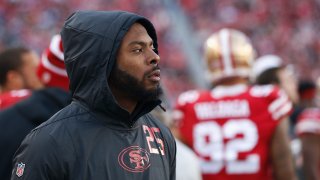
134,159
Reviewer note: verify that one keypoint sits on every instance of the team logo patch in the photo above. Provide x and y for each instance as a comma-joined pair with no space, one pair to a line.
20,169
134,159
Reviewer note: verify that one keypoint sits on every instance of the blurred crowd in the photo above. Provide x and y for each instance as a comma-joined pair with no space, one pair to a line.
287,28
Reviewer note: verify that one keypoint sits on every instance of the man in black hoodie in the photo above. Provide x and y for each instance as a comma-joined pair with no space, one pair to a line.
106,133
19,119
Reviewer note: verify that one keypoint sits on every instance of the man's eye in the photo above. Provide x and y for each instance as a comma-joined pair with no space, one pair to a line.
137,50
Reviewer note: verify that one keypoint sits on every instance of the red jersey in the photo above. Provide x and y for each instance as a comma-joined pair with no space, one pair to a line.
230,129
309,122
10,98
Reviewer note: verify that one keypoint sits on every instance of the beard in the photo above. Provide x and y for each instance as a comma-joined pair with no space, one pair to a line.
131,87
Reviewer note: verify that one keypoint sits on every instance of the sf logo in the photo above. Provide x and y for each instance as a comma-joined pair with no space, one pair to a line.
134,159
138,158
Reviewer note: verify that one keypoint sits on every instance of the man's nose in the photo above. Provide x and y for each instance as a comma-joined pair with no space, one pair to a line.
154,58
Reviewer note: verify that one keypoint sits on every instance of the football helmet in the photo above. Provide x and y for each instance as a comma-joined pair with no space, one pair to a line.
228,53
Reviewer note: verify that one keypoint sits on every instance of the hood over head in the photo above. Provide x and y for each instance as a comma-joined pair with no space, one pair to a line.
91,40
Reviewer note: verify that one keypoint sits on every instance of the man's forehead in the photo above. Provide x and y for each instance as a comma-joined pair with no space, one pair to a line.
137,31
137,27
30,56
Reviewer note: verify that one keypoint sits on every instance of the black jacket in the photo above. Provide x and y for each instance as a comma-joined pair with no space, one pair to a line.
94,138
17,121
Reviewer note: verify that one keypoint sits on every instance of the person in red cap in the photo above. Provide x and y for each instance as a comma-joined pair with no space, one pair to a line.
51,70
17,75
17,120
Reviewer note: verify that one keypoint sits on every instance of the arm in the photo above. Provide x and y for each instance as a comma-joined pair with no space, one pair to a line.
281,157
311,156
37,158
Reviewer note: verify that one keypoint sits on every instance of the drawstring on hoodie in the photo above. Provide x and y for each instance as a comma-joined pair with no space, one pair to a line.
163,109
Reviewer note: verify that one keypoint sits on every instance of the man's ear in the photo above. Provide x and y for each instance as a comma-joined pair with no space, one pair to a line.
13,77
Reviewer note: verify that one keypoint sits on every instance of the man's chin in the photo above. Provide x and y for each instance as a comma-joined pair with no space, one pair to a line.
153,88
154,93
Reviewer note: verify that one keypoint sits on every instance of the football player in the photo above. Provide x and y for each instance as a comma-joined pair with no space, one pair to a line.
237,130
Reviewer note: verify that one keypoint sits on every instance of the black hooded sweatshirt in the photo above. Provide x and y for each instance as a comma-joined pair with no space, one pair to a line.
94,138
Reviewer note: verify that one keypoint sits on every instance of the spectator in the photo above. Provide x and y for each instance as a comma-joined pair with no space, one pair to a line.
307,98
106,132
307,93
17,72
238,131
308,131
18,120
270,69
